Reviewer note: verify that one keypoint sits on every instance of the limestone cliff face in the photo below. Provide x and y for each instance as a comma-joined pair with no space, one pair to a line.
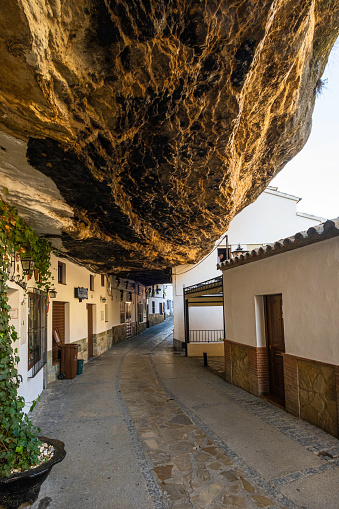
158,120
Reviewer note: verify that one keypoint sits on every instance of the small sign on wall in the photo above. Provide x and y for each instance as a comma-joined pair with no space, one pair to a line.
13,313
81,293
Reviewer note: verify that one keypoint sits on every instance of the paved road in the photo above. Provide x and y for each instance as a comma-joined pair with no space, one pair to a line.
147,429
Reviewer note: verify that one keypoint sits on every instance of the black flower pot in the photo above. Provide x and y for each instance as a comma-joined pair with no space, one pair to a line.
25,486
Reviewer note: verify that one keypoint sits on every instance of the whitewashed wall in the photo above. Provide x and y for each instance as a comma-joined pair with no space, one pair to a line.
76,327
308,279
30,388
271,217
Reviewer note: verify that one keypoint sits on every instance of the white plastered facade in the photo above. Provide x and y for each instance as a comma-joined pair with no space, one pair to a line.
272,216
308,279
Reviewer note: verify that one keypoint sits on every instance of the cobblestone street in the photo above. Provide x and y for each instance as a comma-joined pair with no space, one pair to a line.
147,428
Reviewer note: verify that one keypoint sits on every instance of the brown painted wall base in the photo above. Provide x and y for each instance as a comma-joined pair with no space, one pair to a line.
311,387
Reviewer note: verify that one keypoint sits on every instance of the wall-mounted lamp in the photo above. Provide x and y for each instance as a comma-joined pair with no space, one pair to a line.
52,293
27,265
102,299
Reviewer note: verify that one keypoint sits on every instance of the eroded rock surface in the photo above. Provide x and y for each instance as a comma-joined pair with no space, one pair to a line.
158,120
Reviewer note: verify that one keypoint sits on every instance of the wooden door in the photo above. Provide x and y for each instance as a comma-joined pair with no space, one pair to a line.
58,324
275,345
90,329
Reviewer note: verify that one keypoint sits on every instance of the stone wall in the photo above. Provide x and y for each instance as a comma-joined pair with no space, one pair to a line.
119,333
155,318
312,392
102,342
246,367
178,345
317,395
311,387
52,371
138,328
240,368
83,349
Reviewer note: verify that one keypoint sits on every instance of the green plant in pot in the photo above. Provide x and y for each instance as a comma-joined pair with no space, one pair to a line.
25,458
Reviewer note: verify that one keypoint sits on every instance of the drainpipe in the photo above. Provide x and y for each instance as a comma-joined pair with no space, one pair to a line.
186,321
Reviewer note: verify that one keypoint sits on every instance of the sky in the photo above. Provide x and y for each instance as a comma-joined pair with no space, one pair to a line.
313,174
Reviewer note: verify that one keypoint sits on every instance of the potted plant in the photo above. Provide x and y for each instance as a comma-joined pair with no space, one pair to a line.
25,459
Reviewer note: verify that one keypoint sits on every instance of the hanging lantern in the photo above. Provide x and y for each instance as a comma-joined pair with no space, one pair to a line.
27,265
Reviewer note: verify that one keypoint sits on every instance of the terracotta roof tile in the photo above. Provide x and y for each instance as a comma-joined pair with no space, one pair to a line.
324,231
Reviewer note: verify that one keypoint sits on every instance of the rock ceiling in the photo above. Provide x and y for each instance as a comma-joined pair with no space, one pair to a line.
133,131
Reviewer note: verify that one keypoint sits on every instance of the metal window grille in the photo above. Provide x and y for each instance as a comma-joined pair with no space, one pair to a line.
37,332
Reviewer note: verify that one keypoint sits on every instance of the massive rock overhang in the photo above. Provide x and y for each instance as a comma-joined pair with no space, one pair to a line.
133,131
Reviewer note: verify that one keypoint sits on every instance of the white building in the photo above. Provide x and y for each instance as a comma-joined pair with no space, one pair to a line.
159,303
91,310
273,215
282,322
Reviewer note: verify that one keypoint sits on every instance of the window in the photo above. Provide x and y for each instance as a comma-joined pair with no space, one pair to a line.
141,312
153,306
102,279
168,304
223,254
122,312
62,273
37,328
106,312
160,308
91,283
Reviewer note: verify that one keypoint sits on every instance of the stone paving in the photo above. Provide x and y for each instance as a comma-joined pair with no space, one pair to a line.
146,428
192,469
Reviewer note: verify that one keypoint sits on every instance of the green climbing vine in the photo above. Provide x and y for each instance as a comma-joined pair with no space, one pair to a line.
19,444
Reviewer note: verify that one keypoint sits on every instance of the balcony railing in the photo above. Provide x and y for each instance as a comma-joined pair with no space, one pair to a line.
205,336
204,285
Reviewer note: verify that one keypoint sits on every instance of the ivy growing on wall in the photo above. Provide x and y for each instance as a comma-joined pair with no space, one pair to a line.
17,237
19,445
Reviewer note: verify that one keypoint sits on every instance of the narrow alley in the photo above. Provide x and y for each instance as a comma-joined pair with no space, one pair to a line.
146,428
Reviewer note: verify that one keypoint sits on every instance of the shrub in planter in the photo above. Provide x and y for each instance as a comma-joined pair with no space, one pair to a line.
19,442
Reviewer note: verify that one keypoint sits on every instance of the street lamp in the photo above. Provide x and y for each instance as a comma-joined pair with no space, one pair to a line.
52,293
27,265
238,251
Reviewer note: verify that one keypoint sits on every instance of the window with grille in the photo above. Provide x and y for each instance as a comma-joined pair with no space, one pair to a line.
37,330
122,312
153,306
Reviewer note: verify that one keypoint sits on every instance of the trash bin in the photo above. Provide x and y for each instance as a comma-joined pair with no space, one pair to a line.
80,366
69,356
